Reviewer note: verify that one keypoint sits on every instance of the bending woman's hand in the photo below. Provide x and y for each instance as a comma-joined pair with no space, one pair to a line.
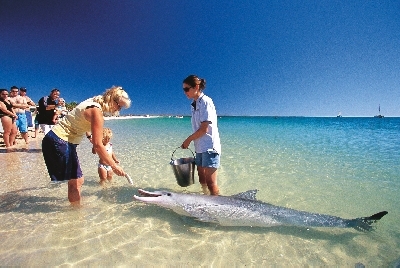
118,170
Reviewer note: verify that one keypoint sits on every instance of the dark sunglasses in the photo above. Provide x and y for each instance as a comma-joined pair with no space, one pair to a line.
186,89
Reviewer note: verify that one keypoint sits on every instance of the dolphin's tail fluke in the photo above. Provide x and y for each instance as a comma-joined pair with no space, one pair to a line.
365,224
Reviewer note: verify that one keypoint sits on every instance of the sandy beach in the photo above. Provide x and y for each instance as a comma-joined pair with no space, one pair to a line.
21,146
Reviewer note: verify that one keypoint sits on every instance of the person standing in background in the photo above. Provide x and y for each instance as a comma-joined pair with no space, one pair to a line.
36,123
28,113
19,105
205,134
47,106
7,116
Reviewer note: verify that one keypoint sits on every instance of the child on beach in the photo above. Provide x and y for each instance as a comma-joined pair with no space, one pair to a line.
60,111
104,170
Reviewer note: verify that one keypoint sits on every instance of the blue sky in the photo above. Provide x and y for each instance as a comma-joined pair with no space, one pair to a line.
301,58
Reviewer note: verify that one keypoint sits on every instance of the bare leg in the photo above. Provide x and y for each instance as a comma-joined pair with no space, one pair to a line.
208,180
74,191
103,175
25,136
6,138
36,132
110,175
202,179
7,128
13,134
211,177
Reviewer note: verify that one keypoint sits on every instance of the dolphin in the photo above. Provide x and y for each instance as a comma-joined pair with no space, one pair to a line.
244,209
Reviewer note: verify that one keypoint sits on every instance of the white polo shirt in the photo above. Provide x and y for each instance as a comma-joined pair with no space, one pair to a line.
203,110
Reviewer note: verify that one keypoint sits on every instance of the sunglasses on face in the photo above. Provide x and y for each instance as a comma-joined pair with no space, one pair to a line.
119,106
186,89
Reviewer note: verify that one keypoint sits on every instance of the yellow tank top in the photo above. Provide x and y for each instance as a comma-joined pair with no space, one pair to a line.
73,126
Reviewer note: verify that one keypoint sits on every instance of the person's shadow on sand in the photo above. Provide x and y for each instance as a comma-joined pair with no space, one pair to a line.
22,150
17,201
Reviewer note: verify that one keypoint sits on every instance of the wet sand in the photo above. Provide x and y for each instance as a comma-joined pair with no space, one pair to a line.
20,145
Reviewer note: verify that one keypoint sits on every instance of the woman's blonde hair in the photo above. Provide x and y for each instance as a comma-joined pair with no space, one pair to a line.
113,94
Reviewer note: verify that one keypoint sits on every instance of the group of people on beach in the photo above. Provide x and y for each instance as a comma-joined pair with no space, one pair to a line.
87,119
16,114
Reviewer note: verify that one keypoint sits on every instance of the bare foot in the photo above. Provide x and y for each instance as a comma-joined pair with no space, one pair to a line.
76,204
10,149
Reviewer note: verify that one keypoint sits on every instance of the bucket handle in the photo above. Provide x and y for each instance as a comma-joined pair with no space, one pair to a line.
172,156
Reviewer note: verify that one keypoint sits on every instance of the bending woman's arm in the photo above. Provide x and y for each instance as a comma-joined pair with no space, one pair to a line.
95,116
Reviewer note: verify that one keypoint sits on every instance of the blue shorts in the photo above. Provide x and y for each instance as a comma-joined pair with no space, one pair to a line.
29,118
22,123
208,159
61,158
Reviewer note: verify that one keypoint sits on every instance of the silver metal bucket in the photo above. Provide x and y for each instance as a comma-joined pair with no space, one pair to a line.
183,169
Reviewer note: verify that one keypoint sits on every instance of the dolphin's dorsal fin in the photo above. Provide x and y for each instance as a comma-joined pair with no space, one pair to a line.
250,195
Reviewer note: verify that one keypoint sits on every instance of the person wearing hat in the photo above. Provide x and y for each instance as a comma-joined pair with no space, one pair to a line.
28,113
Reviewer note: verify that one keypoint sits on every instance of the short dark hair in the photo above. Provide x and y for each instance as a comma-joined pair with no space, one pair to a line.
54,90
22,89
14,87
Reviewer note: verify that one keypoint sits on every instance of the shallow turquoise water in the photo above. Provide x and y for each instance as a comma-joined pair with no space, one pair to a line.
347,167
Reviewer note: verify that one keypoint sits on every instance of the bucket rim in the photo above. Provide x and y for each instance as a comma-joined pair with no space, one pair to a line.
172,156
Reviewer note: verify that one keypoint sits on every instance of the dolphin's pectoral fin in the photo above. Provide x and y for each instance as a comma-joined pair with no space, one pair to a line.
199,213
249,195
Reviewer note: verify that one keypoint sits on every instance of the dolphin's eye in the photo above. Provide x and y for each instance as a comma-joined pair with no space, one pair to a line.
169,194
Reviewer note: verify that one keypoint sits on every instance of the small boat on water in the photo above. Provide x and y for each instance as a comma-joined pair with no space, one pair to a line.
379,114
339,114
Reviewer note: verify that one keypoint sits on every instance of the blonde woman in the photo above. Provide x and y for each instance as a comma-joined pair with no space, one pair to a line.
59,145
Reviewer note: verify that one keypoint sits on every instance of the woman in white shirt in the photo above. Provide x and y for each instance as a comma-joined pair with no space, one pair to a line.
205,134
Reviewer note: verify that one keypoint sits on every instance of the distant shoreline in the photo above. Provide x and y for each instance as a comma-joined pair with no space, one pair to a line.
247,116
130,117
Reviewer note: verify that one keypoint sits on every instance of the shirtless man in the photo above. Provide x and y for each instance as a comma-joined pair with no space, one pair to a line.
19,104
